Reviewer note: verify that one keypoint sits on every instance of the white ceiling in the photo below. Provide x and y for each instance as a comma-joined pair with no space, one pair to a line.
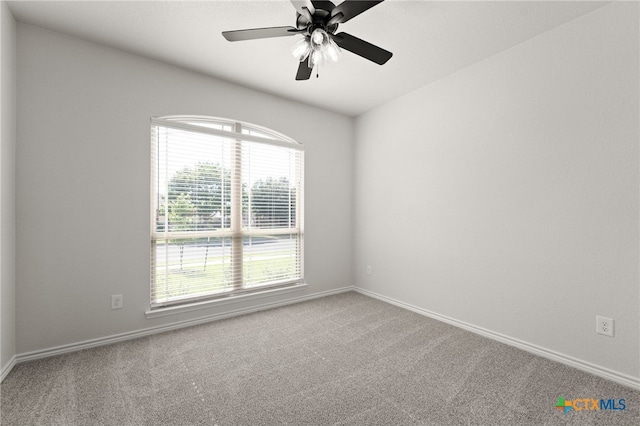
429,40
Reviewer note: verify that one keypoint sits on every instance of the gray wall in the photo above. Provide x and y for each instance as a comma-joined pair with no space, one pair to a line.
7,187
83,183
506,195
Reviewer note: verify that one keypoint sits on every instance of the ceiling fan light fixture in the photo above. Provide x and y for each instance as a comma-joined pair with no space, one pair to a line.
301,49
332,51
319,39
316,57
318,47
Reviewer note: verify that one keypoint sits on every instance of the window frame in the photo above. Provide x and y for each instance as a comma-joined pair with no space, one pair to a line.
241,132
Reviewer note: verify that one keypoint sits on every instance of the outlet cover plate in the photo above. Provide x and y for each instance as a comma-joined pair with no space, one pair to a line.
116,301
604,325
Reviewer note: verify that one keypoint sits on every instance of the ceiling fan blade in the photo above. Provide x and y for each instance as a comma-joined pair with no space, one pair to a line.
256,33
301,5
362,48
352,8
304,72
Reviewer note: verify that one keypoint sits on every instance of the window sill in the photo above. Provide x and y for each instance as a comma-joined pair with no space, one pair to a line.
173,310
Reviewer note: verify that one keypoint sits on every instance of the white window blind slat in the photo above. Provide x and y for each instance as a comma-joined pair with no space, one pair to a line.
227,209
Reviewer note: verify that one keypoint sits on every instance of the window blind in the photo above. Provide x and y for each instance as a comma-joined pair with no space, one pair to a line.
227,209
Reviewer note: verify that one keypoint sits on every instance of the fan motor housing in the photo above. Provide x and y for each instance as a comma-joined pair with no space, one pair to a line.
319,18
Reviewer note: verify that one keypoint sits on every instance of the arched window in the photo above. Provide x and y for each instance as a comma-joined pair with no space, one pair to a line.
226,210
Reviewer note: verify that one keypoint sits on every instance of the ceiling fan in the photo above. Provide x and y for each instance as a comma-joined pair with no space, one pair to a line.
317,21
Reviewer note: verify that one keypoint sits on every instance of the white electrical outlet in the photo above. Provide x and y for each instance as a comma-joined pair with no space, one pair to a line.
604,325
116,301
368,269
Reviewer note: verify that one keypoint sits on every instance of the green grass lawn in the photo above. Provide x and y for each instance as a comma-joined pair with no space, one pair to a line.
196,278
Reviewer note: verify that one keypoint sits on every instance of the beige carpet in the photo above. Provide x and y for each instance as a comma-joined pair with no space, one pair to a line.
340,360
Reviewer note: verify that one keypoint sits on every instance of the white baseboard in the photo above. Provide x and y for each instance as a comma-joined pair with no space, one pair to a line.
6,369
630,381
73,347
623,379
